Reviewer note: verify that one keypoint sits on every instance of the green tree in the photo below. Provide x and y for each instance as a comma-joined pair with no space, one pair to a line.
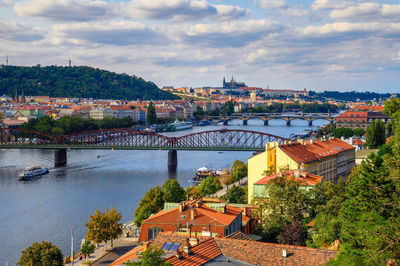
151,114
2,116
103,227
193,192
41,254
370,217
152,202
285,201
209,185
150,257
172,191
328,199
227,108
87,248
376,134
235,195
343,132
238,170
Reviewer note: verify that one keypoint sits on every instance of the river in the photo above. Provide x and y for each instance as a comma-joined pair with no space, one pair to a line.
46,208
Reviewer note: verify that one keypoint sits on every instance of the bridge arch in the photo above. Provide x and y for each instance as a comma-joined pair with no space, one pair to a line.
19,136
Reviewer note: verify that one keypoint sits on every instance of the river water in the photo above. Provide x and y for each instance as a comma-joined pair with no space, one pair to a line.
46,208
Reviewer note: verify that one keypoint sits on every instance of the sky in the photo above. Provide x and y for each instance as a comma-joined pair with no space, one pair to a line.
315,44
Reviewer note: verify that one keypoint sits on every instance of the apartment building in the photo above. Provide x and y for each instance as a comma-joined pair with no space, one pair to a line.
330,159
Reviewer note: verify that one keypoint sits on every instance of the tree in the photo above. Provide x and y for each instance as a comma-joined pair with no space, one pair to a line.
235,195
151,114
152,202
172,191
293,234
104,226
227,108
1,117
87,248
376,134
370,217
238,170
193,191
41,254
285,201
209,185
151,256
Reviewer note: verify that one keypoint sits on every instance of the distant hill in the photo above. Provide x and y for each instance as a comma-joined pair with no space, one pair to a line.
81,81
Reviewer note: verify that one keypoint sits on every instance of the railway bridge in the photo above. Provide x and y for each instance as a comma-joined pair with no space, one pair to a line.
129,139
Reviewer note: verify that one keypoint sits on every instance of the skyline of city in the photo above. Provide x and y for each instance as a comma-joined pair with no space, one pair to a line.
318,45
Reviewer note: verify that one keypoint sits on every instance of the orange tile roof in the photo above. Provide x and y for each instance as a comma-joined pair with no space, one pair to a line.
357,141
315,150
310,179
203,215
130,255
201,253
254,252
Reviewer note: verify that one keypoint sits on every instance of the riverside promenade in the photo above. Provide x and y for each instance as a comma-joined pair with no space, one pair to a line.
103,256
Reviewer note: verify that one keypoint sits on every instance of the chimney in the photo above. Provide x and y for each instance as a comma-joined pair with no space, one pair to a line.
187,247
198,204
192,214
223,209
180,208
351,141
193,241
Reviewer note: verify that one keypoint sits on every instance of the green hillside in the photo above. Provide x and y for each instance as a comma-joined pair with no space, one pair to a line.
80,81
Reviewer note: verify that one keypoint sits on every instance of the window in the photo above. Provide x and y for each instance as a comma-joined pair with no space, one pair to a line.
174,247
167,246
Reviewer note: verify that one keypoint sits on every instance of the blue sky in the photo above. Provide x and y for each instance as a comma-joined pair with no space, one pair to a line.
317,44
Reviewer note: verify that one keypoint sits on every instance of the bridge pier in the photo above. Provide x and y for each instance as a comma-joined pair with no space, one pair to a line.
288,123
244,122
225,122
60,157
172,160
265,122
310,123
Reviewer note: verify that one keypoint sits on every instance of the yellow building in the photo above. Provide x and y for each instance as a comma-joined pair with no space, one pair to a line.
328,158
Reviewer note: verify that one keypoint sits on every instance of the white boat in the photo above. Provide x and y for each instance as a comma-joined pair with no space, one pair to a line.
33,171
181,125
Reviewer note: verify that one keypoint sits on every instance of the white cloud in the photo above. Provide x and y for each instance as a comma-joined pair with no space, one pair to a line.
63,10
179,10
112,33
256,56
273,4
338,28
366,10
329,4
14,31
228,34
295,12
6,2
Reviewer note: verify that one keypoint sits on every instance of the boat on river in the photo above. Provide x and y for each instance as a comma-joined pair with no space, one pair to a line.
31,172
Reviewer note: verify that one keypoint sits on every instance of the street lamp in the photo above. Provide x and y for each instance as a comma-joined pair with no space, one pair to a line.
72,245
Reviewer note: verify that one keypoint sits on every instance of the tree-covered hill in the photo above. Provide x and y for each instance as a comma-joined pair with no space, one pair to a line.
80,81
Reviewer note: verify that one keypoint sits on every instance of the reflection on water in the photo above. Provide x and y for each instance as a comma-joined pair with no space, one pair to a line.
46,208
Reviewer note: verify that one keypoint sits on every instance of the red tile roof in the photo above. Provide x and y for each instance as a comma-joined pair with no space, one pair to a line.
315,150
201,253
254,252
308,178
203,215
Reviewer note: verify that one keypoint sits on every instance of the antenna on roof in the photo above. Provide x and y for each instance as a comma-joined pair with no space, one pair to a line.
69,62
6,60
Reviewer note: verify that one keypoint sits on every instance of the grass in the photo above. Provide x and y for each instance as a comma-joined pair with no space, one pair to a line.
365,153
